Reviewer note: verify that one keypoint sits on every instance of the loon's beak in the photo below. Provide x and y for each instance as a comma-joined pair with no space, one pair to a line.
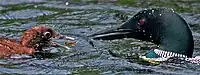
114,33
126,30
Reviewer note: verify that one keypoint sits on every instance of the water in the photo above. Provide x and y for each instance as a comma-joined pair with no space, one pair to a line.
78,19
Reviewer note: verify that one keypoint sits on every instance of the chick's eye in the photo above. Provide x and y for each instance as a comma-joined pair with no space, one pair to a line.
141,21
47,34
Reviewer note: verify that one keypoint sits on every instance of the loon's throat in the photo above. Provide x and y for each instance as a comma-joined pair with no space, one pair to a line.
156,53
167,54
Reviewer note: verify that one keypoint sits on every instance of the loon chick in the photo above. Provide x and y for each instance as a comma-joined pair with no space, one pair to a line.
33,40
161,26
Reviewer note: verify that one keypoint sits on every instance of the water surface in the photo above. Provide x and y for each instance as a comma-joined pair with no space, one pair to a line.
81,18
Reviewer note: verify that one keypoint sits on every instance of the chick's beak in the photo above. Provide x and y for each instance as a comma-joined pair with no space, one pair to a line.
70,41
66,37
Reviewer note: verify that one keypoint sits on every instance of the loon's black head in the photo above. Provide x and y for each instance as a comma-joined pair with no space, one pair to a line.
161,26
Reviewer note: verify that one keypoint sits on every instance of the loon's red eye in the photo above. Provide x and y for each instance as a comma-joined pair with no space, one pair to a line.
141,21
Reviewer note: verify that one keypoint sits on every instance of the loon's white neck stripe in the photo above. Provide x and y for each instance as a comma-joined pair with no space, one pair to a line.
164,55
167,54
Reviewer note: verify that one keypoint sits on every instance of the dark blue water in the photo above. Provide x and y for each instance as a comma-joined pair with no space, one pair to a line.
78,19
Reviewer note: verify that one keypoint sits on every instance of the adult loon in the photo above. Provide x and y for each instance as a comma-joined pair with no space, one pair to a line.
161,26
